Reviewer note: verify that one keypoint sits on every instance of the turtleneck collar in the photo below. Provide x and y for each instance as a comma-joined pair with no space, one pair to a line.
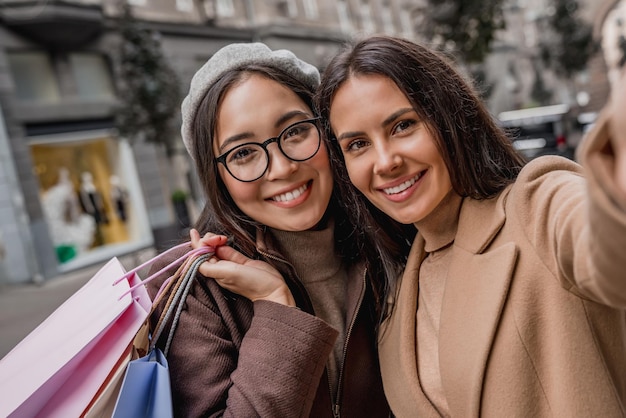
311,250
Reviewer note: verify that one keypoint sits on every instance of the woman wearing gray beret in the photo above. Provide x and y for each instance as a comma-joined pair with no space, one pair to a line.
282,321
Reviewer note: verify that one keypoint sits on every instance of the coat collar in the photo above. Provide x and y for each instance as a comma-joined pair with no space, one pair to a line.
476,230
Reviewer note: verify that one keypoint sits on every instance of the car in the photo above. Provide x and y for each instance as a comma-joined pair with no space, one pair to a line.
539,130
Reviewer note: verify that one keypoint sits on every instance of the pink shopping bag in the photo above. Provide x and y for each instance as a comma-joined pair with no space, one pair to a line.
58,368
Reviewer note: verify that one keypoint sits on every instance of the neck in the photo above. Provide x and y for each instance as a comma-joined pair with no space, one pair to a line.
439,227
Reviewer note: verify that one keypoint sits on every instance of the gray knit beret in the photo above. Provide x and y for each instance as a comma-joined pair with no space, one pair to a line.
235,56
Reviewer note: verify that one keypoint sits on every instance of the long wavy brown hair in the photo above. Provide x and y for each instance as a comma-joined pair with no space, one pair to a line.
477,152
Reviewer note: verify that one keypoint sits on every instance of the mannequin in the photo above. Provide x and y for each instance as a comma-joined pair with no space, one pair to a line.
71,231
119,197
91,199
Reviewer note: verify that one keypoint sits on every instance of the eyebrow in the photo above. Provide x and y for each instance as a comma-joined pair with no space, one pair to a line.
388,121
245,135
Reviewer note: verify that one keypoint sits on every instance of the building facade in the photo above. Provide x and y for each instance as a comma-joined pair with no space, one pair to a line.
73,192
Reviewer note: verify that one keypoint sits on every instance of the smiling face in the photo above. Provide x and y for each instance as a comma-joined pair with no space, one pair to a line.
390,154
290,196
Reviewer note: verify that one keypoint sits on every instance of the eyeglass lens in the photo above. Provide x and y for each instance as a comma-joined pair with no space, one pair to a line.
298,142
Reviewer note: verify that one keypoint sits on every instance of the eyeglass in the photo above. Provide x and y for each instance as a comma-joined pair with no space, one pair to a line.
248,162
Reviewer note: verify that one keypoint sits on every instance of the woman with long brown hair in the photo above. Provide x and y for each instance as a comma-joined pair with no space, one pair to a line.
513,300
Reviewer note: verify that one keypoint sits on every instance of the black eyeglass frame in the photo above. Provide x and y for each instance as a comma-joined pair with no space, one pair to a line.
314,121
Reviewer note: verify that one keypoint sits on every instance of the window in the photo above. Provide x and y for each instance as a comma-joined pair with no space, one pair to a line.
91,73
344,16
225,8
310,9
34,77
184,5
366,17
387,20
288,8
407,24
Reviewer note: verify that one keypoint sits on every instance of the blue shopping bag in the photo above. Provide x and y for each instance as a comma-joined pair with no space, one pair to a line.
146,389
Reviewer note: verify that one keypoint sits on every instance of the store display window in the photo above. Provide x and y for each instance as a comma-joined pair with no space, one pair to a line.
90,197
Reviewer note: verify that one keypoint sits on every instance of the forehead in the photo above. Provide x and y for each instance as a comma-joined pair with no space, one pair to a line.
253,106
364,97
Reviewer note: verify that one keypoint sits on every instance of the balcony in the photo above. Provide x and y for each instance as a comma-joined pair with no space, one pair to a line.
53,23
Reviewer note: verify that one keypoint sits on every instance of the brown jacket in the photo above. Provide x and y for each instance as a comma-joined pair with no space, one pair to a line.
232,357
533,321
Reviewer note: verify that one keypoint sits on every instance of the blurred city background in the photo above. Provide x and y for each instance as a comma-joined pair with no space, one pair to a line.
91,161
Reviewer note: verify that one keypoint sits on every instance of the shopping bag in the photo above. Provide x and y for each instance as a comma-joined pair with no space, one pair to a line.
103,404
146,389
59,367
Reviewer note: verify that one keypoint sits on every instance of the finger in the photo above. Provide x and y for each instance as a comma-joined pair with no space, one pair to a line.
226,252
194,235
225,271
213,240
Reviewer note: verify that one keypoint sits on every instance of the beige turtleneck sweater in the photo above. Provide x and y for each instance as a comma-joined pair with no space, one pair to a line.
438,231
321,271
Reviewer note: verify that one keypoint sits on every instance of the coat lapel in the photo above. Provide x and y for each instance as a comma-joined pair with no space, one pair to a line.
476,289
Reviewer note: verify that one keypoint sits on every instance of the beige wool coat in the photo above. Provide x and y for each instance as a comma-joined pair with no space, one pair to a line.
533,321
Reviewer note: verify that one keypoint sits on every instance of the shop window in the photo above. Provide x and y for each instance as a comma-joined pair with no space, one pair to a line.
92,76
91,198
33,76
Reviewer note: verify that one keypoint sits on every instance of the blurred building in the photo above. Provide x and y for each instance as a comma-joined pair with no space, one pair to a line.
73,193
515,65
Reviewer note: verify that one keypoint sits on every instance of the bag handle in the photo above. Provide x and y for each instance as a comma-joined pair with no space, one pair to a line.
130,273
177,287
176,302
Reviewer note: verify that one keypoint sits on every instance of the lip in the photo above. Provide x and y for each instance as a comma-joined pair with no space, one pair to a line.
404,194
293,202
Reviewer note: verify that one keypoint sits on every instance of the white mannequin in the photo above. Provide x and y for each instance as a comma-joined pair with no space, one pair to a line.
68,226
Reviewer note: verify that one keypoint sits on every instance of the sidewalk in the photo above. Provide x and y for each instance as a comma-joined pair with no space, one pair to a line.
24,307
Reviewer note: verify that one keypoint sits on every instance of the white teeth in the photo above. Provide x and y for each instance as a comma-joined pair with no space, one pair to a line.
294,194
402,187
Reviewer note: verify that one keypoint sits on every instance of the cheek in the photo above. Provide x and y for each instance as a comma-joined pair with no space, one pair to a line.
240,192
357,173
321,162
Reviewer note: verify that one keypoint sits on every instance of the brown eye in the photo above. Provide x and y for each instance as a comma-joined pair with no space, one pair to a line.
404,125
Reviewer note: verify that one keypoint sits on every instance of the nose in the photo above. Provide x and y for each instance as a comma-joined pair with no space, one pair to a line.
280,166
387,159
